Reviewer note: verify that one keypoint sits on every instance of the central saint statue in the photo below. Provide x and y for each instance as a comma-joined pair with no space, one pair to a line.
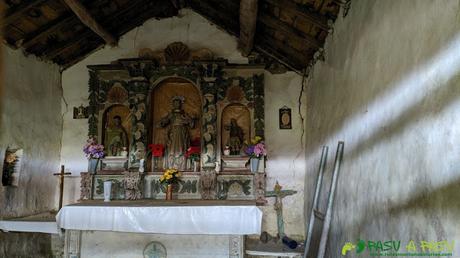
179,124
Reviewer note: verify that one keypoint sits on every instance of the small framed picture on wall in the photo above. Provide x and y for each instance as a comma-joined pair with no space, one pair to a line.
285,118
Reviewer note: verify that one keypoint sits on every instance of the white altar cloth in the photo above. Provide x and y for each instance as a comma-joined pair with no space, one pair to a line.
196,220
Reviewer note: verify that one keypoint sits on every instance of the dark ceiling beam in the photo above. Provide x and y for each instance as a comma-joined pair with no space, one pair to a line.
179,4
61,49
86,18
115,22
297,56
80,56
248,21
15,13
266,50
314,18
291,32
51,53
47,30
217,17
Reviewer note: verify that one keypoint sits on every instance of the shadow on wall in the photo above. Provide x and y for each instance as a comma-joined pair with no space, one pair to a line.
356,102
431,105
420,218
431,205
412,218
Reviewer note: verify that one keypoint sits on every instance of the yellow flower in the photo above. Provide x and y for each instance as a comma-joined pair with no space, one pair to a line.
10,158
168,177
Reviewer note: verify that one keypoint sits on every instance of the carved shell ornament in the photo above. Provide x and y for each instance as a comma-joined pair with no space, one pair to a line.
177,52
117,94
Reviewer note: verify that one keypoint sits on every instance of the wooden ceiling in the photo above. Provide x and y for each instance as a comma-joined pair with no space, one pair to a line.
66,31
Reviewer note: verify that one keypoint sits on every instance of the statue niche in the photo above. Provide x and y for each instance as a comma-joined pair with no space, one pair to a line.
117,124
178,140
176,121
236,129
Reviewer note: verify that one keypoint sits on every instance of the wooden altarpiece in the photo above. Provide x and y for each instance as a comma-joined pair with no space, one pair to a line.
226,91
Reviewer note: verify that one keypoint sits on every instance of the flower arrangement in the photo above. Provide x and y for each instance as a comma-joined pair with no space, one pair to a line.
257,148
170,176
193,153
11,158
93,150
157,150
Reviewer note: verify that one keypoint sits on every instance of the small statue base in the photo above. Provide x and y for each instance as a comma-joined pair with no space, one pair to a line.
234,163
114,163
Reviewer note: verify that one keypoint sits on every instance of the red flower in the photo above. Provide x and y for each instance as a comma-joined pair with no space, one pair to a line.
193,150
157,149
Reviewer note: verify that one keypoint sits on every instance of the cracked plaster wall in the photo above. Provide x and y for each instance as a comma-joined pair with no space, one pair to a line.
390,88
31,120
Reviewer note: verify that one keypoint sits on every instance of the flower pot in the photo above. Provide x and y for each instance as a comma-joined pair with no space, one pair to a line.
169,192
92,165
254,162
107,190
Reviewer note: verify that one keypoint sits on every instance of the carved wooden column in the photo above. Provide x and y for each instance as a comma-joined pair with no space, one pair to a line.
86,185
138,107
132,184
208,184
259,187
211,77
259,100
208,154
93,108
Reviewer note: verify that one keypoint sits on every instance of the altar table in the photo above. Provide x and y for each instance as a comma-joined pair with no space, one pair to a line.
179,217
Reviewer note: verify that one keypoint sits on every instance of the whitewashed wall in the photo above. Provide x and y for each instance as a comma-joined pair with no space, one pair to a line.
390,88
30,119
286,160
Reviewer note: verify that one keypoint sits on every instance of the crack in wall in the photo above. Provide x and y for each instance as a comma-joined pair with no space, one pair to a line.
62,116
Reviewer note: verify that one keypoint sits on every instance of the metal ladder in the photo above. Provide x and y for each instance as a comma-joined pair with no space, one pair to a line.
315,214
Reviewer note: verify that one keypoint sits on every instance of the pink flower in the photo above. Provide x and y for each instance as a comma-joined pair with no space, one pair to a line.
259,149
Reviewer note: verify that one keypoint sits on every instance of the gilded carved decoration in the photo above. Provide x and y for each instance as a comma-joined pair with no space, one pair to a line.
85,186
208,185
144,86
132,184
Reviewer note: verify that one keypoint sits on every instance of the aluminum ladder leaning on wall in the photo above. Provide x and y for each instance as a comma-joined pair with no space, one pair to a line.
315,213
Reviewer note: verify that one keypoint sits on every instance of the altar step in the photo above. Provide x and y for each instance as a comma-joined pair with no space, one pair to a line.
39,223
271,249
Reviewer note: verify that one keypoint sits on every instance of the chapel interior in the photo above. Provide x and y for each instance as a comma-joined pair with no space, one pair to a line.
236,128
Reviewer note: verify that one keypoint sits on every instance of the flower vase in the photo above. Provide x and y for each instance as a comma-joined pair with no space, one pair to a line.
254,163
107,190
92,165
169,192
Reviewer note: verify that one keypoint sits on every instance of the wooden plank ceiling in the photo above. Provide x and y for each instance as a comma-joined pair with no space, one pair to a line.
66,31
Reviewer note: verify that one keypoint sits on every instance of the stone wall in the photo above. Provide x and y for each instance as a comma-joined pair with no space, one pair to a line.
286,160
31,120
390,88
